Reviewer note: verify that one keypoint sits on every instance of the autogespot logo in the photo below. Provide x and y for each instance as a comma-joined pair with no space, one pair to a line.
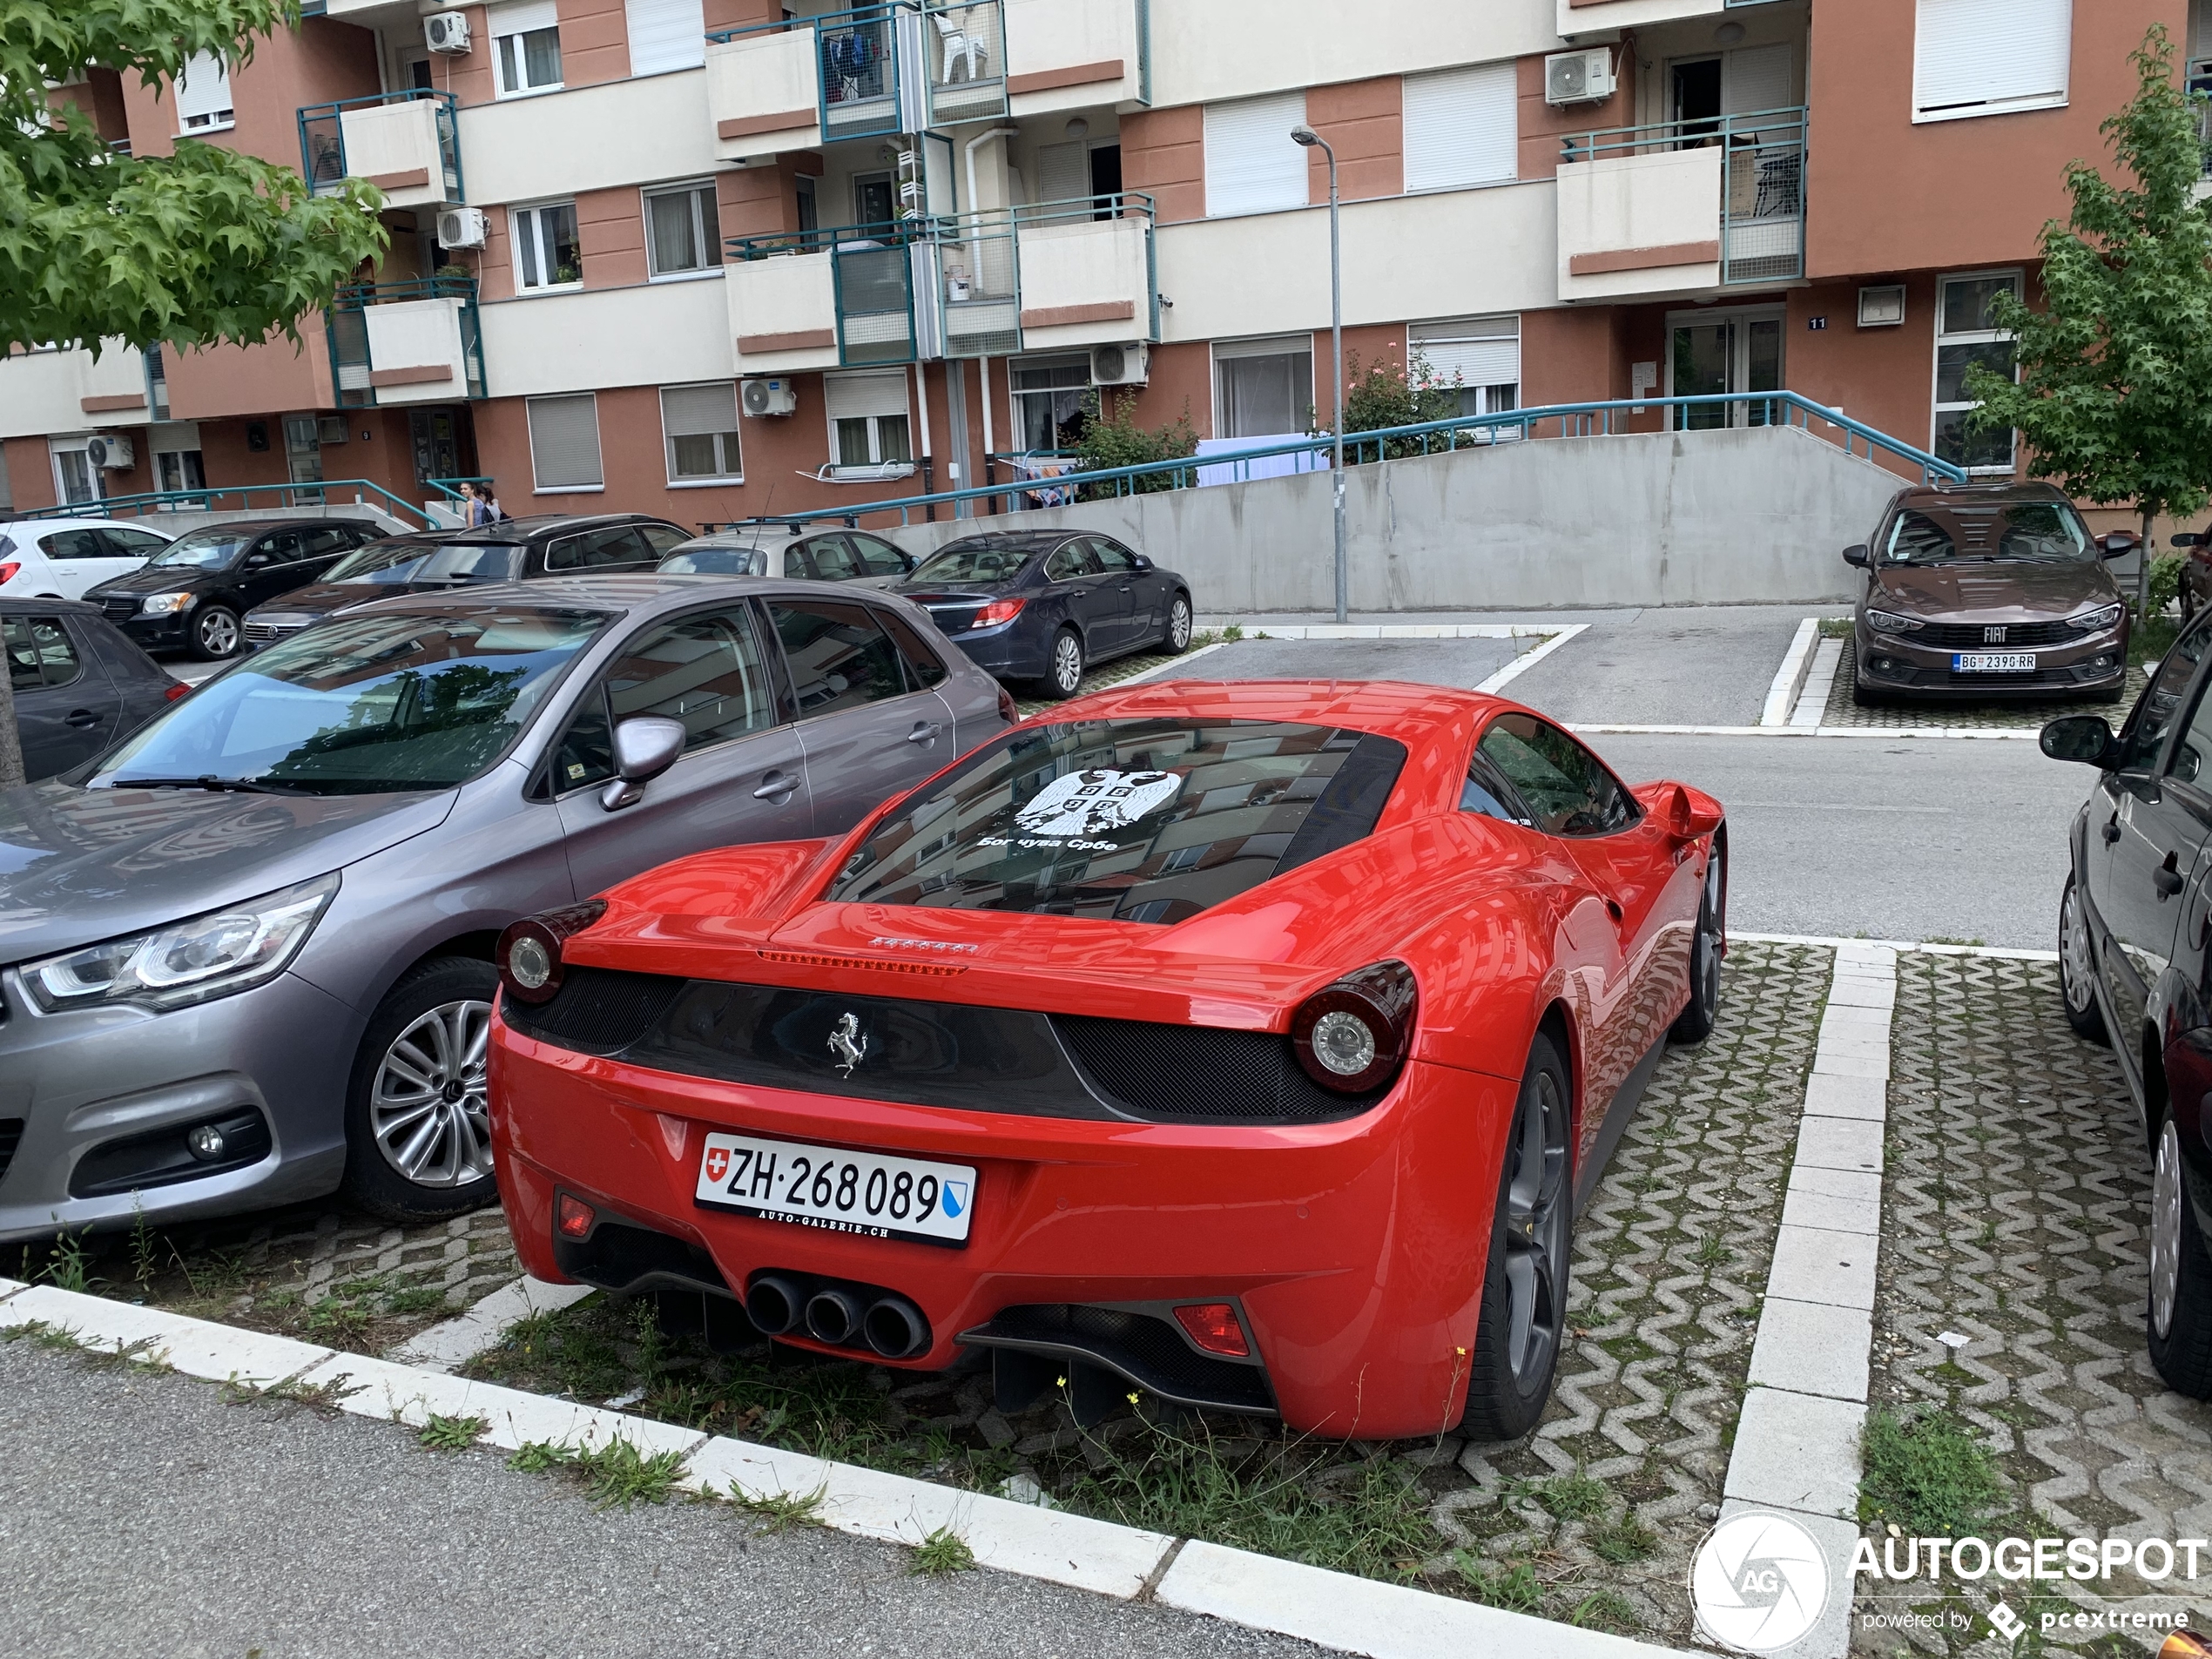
1758,1582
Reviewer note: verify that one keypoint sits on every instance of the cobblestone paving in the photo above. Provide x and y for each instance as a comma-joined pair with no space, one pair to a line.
2014,1213
2027,715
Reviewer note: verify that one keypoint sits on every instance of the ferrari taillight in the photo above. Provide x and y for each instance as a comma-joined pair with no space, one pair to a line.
1213,1326
530,952
997,611
572,1218
1352,1036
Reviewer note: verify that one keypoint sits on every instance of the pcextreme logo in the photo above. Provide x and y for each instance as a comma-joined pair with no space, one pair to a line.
1758,1582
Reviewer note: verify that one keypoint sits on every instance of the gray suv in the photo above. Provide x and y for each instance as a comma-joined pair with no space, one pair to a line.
245,956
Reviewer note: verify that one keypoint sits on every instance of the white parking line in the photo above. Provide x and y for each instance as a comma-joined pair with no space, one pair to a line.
1528,659
452,1344
1790,678
1396,629
1820,680
1174,664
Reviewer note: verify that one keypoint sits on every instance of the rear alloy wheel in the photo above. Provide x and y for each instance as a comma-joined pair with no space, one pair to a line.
418,1128
2078,968
1066,674
1694,1023
215,633
1524,1288
2180,1317
1178,639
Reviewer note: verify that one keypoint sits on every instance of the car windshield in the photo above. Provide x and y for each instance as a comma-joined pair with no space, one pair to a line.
211,548
2044,531
454,561
1150,819
976,562
363,704
715,560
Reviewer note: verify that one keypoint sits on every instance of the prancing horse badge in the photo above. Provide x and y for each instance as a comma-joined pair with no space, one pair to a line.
846,1045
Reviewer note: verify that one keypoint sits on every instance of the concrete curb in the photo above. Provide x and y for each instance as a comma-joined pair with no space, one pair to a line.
453,1343
1820,680
1330,1609
1790,678
2014,953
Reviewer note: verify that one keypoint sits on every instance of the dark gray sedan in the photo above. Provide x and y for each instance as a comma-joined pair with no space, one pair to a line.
79,684
246,958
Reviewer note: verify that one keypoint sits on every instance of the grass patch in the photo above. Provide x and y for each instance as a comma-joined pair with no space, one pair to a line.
452,1433
1836,627
1621,1541
944,1551
1945,939
1573,1497
1929,1473
1513,1587
1605,1610
615,1475
781,1511
324,1398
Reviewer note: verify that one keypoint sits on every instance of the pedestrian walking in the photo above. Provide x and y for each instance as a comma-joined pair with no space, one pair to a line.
493,512
471,507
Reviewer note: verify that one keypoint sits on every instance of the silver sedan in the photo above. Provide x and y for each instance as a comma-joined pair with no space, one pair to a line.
245,956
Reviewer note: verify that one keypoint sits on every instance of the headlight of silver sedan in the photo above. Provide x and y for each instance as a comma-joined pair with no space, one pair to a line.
1889,621
207,956
2095,622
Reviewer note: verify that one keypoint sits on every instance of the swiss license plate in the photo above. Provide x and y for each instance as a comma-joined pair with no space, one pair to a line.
1992,662
839,1191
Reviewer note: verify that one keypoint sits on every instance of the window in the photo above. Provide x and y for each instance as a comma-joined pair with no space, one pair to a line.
2141,740
1251,165
700,426
1481,353
1051,397
1463,127
664,539
683,232
832,559
1263,389
868,417
564,442
840,658
39,652
1963,338
122,543
666,35
75,478
1564,786
615,547
74,544
547,253
705,670
204,95
877,556
1990,57
178,469
923,668
526,45
1488,794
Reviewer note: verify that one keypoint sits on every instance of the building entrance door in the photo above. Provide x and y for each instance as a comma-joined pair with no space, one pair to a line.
1726,353
443,444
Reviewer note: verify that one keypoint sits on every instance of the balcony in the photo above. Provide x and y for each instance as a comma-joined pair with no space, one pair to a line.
1066,54
406,342
1683,206
407,144
839,298
1587,16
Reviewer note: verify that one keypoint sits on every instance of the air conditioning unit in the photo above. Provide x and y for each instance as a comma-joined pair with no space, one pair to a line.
770,397
110,452
1579,77
462,227
446,33
1130,365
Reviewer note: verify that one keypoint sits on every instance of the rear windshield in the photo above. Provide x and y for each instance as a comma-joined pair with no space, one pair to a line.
1129,821
458,561
959,563
2043,531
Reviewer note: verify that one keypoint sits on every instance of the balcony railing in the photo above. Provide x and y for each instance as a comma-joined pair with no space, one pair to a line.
408,143
852,58
406,342
1761,168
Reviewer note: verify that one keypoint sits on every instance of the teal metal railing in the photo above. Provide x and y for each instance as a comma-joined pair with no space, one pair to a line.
347,325
323,138
963,49
856,63
1607,418
872,271
1762,182
242,498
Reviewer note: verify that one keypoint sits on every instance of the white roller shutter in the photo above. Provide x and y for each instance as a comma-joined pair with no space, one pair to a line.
666,35
1986,57
1463,127
855,397
564,442
1481,350
203,92
696,411
525,17
1754,79
1064,171
1252,166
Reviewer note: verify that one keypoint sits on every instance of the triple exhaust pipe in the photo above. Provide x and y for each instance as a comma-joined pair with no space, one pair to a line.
838,1315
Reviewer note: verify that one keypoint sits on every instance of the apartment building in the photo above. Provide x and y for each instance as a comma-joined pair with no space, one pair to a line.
713,259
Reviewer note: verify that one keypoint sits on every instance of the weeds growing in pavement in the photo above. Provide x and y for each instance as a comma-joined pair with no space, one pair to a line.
1621,1541
452,1433
416,1299
1513,1587
1573,1497
781,1511
39,1331
535,1457
325,1399
615,1475
1710,1251
1928,1473
143,1264
69,1264
1605,1610
943,1551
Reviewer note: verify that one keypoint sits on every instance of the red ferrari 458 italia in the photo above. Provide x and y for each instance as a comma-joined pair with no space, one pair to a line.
1252,1044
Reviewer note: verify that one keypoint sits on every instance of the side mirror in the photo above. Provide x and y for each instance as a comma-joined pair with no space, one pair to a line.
259,561
1689,818
1143,563
646,746
2187,538
2120,544
1858,554
2084,738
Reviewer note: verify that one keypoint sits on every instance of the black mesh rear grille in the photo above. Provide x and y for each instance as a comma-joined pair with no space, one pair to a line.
1187,1073
1147,1350
10,1138
596,1011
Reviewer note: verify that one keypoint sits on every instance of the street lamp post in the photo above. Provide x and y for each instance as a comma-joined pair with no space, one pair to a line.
1308,137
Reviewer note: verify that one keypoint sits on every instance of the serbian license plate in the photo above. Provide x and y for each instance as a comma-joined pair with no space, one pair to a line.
1992,662
837,1191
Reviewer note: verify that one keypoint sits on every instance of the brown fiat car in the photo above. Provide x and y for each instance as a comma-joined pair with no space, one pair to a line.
1988,591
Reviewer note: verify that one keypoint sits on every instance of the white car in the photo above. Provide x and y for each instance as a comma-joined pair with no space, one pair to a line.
58,558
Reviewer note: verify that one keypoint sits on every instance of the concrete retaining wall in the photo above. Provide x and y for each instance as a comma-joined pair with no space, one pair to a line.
1753,517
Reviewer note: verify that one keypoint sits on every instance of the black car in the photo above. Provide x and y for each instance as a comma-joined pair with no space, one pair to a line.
193,594
79,684
515,549
1043,605
2136,965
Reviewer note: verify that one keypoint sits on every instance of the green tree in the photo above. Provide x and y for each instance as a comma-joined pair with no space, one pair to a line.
2113,394
207,244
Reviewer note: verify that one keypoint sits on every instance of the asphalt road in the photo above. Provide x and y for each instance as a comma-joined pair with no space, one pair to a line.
139,1513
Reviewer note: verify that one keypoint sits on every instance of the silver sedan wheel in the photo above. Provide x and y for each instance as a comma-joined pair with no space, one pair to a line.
426,1107
2074,952
1067,662
1179,624
2166,1201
